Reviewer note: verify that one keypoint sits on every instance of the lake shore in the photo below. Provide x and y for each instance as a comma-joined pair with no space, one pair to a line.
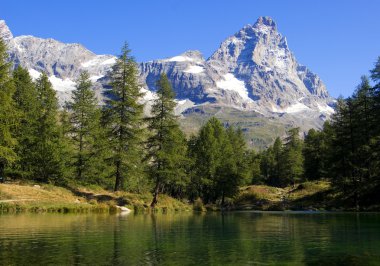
37,197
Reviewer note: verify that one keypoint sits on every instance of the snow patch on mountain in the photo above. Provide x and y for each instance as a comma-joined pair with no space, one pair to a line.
325,109
99,60
230,82
291,109
95,78
181,58
149,96
34,74
295,108
63,85
110,61
194,69
183,105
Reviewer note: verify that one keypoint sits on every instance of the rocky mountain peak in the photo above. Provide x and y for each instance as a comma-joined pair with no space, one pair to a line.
265,21
5,33
195,54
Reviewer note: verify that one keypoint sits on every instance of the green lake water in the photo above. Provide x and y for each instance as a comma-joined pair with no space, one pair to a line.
236,238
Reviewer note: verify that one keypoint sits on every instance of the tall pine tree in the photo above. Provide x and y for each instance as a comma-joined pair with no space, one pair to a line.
219,159
47,157
124,120
292,156
8,114
167,144
85,126
26,101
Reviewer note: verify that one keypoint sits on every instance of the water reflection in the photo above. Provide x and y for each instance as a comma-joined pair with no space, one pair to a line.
243,238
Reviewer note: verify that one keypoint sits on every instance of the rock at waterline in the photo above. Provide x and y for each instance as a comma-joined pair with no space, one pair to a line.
123,209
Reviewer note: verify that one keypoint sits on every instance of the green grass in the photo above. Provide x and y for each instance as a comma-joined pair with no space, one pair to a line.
316,195
49,198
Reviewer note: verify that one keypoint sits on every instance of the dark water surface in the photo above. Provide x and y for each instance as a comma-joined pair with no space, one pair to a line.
239,238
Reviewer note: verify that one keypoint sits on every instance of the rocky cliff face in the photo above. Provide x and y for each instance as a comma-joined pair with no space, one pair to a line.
253,72
5,33
62,62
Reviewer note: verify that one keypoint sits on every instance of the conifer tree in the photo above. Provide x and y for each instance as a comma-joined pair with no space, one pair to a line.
47,151
85,125
8,114
234,164
207,155
65,145
219,162
313,152
124,120
167,144
293,159
375,138
375,76
276,177
266,165
26,102
254,162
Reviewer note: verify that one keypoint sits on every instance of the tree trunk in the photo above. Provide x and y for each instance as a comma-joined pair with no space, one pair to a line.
118,177
2,174
222,198
80,159
356,194
155,195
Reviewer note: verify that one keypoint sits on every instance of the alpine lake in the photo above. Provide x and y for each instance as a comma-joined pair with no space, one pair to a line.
232,238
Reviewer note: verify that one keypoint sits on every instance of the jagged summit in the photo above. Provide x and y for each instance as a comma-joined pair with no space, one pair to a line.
193,54
265,21
252,70
5,33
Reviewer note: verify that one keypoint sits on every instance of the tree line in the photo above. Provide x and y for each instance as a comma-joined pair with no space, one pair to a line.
116,147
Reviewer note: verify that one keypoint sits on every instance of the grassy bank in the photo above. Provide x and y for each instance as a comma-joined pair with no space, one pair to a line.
316,195
49,198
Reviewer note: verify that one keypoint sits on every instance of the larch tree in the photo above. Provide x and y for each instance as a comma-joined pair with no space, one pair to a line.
8,113
292,156
207,157
125,125
276,176
47,162
85,125
26,102
167,147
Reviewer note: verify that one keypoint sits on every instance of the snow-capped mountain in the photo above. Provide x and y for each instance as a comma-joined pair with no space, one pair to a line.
253,72
62,62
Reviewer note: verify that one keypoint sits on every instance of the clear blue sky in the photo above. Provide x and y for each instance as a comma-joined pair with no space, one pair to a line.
337,39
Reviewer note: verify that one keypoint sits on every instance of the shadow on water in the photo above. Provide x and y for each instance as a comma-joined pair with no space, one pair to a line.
239,238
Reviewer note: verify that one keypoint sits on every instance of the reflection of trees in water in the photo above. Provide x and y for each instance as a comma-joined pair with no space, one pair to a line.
153,256
190,239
